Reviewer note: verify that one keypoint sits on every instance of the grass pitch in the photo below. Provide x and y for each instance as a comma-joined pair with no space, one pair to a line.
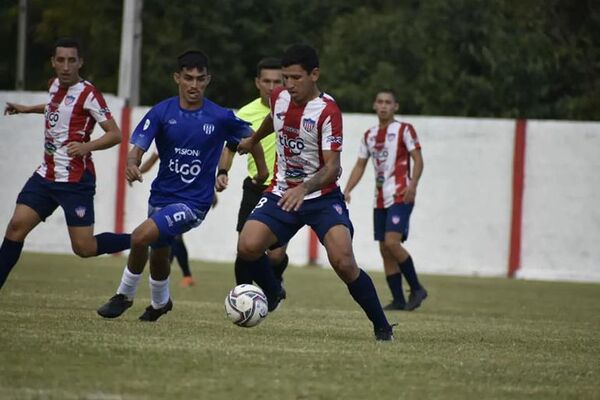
473,338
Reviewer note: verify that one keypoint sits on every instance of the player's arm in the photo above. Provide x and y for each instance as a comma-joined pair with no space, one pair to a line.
112,136
355,177
149,163
262,171
265,129
410,192
134,159
14,108
293,198
225,163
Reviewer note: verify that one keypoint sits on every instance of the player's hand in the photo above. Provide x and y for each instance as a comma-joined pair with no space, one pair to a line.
13,108
260,177
132,173
221,182
77,149
292,199
409,194
245,146
347,197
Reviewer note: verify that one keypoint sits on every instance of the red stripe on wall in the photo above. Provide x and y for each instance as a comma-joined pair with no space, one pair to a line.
313,248
122,164
514,258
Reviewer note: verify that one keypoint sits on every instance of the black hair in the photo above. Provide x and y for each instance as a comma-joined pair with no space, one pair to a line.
301,54
389,91
69,43
267,63
192,59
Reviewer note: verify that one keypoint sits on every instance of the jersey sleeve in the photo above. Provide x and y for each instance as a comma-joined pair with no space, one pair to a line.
97,106
235,128
363,149
146,130
274,95
331,128
410,138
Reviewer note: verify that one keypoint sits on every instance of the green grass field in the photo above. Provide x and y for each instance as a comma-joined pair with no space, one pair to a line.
474,338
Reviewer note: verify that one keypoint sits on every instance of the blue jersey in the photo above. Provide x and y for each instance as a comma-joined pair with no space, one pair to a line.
189,144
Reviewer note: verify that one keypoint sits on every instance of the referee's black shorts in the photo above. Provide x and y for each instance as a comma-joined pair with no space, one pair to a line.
250,197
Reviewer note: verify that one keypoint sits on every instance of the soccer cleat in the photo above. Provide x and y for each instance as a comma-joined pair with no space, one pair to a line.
187,281
395,306
385,334
415,299
275,303
152,314
115,306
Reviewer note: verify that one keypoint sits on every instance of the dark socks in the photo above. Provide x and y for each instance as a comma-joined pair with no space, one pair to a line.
9,255
263,275
243,274
108,243
280,268
363,292
179,251
408,270
395,284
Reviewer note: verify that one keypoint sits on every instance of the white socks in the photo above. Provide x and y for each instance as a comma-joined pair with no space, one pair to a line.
159,293
129,282
159,290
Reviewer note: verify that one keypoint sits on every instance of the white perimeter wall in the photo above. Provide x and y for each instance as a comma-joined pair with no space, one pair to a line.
461,222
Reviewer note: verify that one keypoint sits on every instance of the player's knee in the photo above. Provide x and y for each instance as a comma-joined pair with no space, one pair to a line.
390,244
140,237
16,229
248,250
83,249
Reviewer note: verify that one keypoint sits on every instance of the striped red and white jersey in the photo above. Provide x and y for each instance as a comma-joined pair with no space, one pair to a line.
70,116
389,149
303,133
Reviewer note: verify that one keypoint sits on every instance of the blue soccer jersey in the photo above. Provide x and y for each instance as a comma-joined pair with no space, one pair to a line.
189,144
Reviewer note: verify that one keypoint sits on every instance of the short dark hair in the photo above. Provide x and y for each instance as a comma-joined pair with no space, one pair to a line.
389,91
267,63
192,59
69,43
301,54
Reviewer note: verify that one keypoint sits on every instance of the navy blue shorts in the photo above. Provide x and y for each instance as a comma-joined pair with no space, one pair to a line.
76,199
321,214
395,218
173,220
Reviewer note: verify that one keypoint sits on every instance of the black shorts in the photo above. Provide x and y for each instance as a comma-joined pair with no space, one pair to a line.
250,197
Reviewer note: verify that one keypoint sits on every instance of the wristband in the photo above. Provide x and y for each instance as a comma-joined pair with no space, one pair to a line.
222,171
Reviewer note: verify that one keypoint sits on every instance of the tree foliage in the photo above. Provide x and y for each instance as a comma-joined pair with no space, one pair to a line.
508,58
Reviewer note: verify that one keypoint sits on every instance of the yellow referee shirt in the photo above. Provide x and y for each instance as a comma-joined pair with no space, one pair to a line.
254,113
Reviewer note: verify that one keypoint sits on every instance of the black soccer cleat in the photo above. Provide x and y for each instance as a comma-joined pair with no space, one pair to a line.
385,334
152,314
415,299
273,304
395,306
115,306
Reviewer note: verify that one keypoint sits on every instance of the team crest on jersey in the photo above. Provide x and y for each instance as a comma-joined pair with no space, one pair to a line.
338,209
69,100
391,136
395,220
308,124
172,121
80,211
208,128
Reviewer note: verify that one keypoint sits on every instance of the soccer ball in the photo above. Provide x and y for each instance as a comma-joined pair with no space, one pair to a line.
246,305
